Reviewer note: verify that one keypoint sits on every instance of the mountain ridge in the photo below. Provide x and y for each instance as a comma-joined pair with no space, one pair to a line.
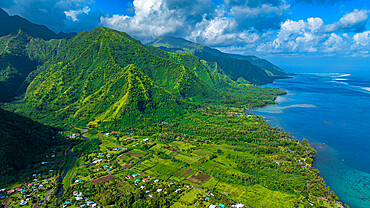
251,68
20,56
12,24
106,69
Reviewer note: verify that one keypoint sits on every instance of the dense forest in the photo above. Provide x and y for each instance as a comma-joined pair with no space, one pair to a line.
250,68
22,143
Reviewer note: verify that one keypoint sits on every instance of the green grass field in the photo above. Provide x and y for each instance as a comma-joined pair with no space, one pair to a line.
192,196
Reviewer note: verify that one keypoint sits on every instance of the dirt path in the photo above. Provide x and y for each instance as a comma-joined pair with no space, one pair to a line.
45,198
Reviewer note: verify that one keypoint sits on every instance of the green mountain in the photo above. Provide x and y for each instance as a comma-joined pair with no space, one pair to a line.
269,68
250,68
105,76
22,142
12,24
20,55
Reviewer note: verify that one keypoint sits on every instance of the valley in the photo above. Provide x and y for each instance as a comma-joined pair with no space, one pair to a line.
98,119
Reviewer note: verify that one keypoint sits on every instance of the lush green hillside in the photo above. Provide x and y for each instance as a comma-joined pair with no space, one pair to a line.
106,76
250,68
270,68
22,142
20,55
191,62
12,24
236,68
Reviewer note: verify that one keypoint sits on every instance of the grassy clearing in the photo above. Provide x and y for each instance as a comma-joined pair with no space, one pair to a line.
257,195
202,153
192,196
181,205
187,159
163,169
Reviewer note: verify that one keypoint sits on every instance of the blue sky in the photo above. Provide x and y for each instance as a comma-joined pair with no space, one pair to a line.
295,34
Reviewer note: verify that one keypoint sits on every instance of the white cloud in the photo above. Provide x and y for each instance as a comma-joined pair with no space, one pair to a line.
353,21
315,24
152,19
362,39
334,43
73,14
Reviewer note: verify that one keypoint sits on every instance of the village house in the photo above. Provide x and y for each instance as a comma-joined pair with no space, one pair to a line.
23,203
145,179
78,181
66,203
238,205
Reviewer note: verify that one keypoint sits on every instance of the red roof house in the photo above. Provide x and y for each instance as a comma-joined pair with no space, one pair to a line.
10,191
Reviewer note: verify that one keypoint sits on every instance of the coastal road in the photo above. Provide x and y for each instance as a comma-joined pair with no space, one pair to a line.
61,190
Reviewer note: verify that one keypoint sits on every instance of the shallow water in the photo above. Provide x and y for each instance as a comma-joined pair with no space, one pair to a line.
331,110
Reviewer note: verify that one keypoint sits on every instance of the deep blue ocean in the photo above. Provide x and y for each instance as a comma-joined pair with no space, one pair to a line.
331,110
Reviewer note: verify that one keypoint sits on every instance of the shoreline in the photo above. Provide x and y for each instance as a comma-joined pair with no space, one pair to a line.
338,138
311,143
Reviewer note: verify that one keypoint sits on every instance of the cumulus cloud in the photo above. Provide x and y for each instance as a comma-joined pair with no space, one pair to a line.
152,19
312,36
353,21
200,19
296,36
221,31
362,39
